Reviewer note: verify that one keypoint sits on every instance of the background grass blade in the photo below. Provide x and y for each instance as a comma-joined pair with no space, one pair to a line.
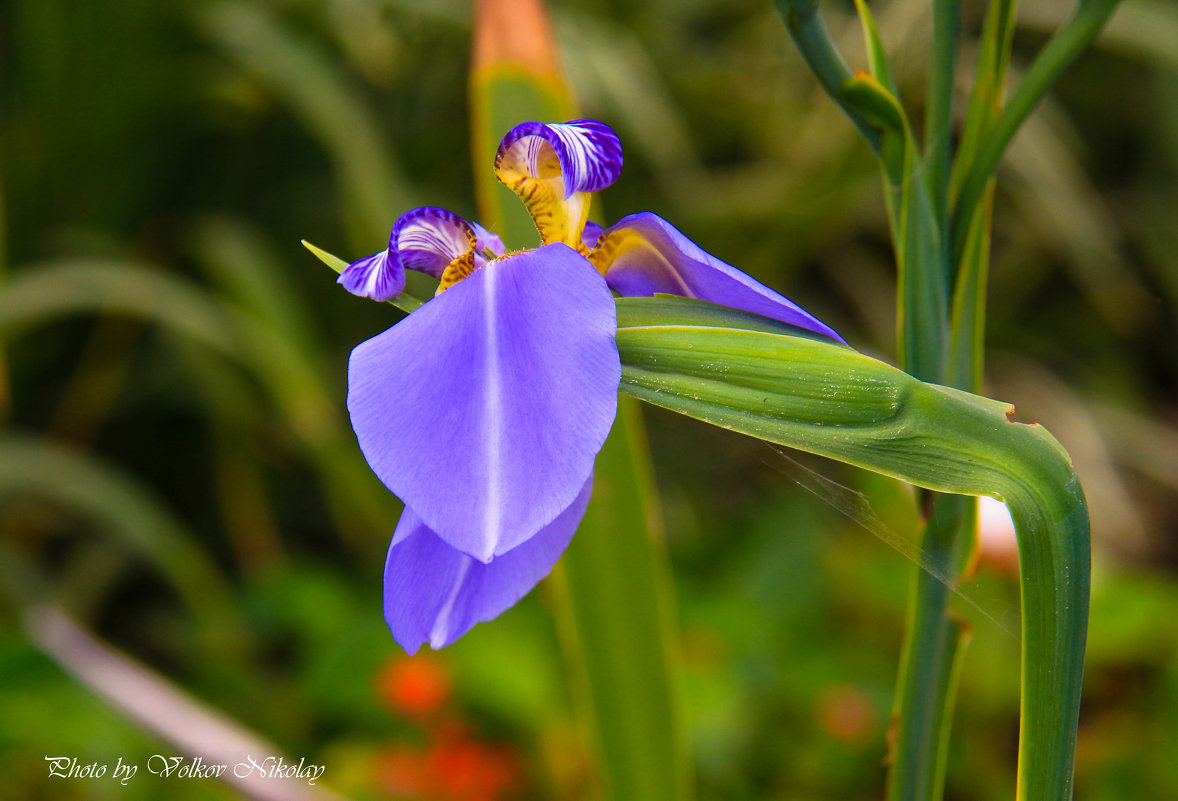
122,509
371,187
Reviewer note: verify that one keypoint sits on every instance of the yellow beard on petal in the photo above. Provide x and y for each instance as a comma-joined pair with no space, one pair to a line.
456,270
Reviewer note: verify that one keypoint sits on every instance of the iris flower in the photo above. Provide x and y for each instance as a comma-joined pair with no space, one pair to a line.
483,410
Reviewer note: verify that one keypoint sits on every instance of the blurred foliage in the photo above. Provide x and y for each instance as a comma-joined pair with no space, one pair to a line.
180,476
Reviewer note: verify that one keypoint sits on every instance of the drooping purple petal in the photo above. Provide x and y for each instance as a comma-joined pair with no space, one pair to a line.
427,239
434,593
643,254
484,409
377,277
588,152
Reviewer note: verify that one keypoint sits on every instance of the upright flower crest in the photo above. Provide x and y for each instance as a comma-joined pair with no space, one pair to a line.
484,409
554,168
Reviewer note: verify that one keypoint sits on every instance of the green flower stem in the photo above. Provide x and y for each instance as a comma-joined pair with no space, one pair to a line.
933,646
809,32
989,88
934,643
1056,55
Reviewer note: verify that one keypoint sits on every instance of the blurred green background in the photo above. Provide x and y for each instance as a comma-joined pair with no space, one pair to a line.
177,472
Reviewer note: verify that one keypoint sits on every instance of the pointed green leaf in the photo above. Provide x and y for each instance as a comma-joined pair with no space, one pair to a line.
405,301
1061,49
876,57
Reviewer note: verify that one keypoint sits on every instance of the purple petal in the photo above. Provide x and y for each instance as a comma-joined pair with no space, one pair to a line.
591,234
488,241
434,593
484,409
376,276
589,153
643,254
429,239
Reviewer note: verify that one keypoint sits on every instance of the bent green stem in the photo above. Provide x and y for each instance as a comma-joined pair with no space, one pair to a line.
726,369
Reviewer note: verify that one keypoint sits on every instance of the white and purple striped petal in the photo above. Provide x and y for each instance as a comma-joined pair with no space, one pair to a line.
588,152
427,239
554,167
643,254
434,593
377,277
484,409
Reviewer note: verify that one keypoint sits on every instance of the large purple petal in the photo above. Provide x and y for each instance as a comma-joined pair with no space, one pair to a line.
434,593
643,254
484,409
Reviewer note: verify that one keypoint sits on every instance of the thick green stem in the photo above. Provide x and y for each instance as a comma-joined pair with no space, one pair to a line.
616,589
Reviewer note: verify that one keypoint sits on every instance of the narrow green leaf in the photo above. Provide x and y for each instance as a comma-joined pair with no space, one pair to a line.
882,109
829,400
922,273
618,591
809,32
968,323
877,59
133,519
985,101
405,301
938,119
1052,60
